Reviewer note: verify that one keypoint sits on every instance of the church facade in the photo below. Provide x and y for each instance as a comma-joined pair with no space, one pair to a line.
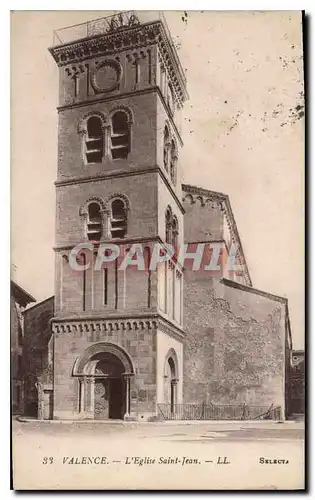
125,343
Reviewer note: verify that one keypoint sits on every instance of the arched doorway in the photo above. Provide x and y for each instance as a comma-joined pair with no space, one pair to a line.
109,387
171,379
104,373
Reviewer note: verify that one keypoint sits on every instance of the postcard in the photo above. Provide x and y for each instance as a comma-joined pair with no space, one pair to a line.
157,282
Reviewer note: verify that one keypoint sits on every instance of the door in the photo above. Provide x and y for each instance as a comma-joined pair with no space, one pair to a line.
48,405
116,398
101,399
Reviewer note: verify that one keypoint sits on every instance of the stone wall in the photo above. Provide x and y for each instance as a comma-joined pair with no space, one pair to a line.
38,351
138,340
165,346
235,344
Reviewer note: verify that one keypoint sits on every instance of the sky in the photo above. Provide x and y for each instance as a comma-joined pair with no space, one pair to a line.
243,135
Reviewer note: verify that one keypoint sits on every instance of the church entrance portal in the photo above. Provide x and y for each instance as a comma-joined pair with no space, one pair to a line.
109,388
104,382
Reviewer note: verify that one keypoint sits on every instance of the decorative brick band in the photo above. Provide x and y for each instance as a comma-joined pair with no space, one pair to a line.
92,325
103,325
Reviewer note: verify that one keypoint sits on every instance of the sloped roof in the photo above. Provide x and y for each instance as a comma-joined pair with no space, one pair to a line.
21,296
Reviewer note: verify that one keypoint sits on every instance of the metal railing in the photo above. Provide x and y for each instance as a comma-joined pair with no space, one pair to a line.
95,27
115,22
202,411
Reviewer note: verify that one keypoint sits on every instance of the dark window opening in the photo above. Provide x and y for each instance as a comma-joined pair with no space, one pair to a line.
118,219
94,142
168,226
174,232
116,284
120,137
105,285
84,282
94,223
166,148
173,162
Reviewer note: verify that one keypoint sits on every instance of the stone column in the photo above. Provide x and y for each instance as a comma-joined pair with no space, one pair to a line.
173,394
92,397
107,147
89,396
127,395
81,395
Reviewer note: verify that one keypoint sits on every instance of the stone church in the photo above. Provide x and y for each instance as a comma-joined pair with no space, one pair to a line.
153,343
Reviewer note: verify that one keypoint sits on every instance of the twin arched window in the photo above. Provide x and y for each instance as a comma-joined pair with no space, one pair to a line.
114,225
169,154
101,140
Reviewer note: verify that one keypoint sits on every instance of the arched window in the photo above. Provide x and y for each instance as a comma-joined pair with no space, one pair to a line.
173,162
120,135
171,228
171,366
168,225
118,219
166,148
172,382
94,141
174,231
147,261
171,379
94,222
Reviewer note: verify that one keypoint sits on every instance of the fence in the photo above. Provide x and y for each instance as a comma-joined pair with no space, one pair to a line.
203,411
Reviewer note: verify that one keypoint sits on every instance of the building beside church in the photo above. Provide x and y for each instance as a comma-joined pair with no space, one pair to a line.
297,384
19,299
125,343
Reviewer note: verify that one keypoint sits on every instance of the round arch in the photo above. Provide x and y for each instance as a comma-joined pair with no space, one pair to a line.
123,109
82,365
171,361
82,125
83,211
118,196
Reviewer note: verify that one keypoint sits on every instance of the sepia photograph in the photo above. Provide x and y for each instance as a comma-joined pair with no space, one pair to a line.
157,250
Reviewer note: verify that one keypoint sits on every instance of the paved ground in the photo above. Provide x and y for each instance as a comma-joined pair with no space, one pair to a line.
192,431
165,455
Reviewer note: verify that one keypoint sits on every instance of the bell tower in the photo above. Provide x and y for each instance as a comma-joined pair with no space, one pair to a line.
118,336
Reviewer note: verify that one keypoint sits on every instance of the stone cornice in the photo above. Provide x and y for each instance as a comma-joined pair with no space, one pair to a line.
215,195
122,173
250,289
203,195
131,38
125,241
151,321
